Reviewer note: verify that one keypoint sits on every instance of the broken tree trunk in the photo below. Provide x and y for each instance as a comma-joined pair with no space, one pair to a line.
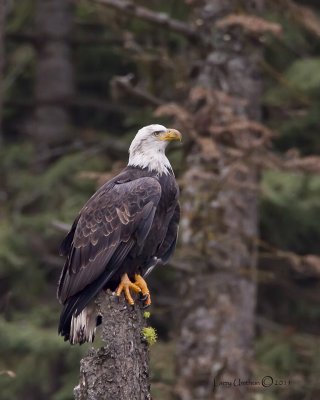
120,369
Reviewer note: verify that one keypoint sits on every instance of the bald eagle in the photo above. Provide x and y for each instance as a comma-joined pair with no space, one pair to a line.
123,231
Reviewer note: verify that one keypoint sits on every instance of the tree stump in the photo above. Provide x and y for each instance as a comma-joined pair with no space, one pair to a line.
120,369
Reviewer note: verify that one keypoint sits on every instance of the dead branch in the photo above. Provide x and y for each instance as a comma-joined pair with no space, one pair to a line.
124,84
161,19
109,145
61,226
307,265
296,164
250,24
309,164
9,373
305,16
101,177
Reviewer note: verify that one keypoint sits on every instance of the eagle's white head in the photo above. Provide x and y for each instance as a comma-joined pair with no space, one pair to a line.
147,149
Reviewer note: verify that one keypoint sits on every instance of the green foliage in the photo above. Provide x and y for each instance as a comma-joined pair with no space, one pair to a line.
28,335
146,314
299,81
278,353
21,17
149,334
305,75
162,370
292,357
31,351
291,129
8,249
292,96
287,201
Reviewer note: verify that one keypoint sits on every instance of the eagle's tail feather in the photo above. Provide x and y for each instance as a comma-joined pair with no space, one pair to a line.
76,314
83,326
79,328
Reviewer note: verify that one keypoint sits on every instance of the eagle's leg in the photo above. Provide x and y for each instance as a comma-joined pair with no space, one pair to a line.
142,284
125,285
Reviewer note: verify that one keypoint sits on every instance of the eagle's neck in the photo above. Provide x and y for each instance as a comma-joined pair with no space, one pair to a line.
152,160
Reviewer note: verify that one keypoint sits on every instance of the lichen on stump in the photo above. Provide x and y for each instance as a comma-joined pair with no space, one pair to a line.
120,369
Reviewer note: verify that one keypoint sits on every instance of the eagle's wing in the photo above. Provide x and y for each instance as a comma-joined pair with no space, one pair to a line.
108,226
169,243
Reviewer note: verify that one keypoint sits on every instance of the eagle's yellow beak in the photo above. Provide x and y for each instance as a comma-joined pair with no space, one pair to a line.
171,134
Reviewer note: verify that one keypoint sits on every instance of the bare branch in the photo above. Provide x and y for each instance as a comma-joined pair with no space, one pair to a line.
161,19
307,164
109,145
250,23
61,226
307,265
305,16
9,373
291,162
123,84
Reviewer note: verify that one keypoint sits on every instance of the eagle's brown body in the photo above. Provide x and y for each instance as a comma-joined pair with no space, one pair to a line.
127,226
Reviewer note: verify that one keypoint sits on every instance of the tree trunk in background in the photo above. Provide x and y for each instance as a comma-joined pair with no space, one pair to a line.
120,370
2,20
219,215
54,81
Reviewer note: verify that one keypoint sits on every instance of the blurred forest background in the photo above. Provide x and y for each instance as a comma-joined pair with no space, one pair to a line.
241,80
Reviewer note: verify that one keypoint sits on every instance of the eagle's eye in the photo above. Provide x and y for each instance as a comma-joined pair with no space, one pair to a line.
157,133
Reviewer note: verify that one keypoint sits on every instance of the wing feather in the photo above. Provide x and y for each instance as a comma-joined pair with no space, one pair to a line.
168,246
110,224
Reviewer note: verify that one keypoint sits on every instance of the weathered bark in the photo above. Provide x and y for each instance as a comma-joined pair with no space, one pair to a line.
54,81
2,20
120,370
219,217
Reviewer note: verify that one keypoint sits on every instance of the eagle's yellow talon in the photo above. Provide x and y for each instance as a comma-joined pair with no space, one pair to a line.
126,285
142,284
147,302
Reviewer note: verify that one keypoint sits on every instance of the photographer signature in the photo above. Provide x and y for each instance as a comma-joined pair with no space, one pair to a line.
266,382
